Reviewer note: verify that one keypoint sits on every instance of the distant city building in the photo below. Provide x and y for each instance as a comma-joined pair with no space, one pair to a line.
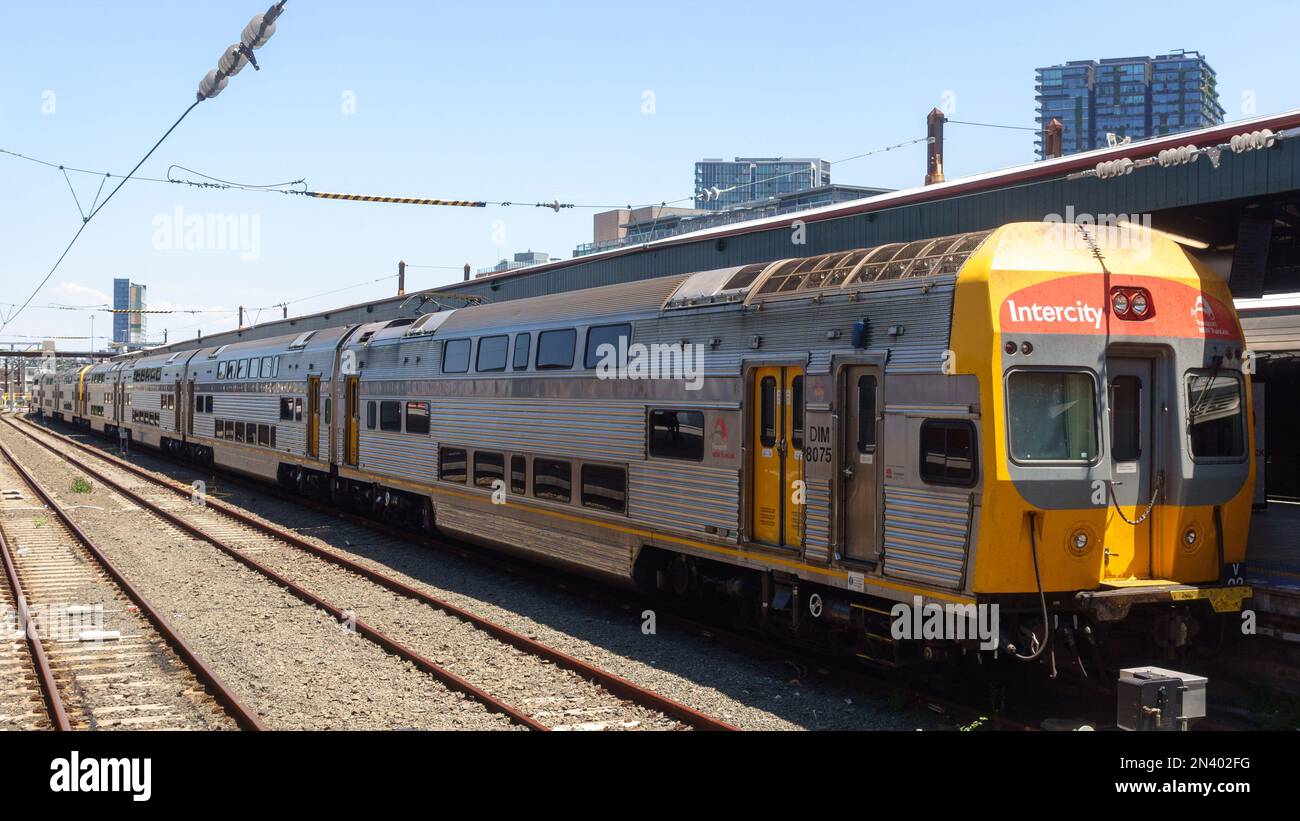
128,328
1129,97
722,184
612,229
521,260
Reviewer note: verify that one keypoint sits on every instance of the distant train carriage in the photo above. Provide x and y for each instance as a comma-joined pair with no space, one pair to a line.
1025,418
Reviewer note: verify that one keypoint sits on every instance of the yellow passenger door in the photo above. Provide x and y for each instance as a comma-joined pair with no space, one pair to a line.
776,460
351,419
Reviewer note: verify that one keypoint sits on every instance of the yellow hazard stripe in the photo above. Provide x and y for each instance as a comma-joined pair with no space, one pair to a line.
399,200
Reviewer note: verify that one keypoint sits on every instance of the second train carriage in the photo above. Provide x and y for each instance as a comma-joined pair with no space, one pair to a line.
1019,418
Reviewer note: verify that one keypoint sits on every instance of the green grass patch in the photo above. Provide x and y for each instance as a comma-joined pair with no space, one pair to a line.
82,485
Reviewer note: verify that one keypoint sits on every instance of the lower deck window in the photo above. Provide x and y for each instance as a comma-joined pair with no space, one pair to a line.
390,416
451,464
417,417
518,475
948,452
552,480
489,468
677,434
604,488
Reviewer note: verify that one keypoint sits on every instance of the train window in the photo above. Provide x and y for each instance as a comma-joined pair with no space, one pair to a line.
207,404
767,411
329,407
390,416
1052,416
451,464
1215,418
796,414
948,452
264,435
677,434
455,356
417,417
604,488
275,371
552,479
518,475
371,414
602,335
198,404
221,370
254,368
243,369
273,436
297,409
218,428
489,468
286,408
1126,418
866,414
555,349
266,367
492,353
239,431
522,344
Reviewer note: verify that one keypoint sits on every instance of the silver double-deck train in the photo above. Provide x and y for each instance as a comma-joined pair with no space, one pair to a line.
811,441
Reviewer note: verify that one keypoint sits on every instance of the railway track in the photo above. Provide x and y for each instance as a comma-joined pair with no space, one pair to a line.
287,559
83,649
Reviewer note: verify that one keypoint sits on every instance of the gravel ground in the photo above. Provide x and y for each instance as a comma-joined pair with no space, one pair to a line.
749,692
289,662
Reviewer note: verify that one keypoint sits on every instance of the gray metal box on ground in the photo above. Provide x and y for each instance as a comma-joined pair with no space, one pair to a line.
1153,698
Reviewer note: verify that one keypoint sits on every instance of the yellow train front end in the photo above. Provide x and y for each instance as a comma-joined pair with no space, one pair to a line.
1117,432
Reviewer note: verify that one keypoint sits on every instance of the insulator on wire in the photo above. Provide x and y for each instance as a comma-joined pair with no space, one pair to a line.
212,84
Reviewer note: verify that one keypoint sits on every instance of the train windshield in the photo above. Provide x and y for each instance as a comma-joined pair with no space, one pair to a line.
1052,416
1215,419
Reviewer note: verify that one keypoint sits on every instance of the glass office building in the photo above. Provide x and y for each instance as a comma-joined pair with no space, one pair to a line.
746,179
1129,97
128,328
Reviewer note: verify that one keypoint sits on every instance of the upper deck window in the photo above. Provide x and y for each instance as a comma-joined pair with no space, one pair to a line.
522,343
455,356
1215,421
602,335
1052,416
492,353
555,349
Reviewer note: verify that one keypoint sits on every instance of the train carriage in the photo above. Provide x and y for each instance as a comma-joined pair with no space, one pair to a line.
1035,420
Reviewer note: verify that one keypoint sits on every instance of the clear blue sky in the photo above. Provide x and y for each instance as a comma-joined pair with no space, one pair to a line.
520,101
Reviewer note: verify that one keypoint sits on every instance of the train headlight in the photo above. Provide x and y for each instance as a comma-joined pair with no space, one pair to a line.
1138,304
1190,537
1119,301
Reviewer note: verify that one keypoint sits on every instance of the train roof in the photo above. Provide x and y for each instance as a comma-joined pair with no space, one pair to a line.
322,339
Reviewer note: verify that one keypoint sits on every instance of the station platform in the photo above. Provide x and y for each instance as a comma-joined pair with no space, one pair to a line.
1273,559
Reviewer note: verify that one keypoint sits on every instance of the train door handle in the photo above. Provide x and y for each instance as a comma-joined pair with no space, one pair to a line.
847,473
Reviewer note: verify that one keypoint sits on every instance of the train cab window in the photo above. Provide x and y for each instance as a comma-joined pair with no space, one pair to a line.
492,353
603,335
267,363
518,475
451,465
1126,418
417,417
264,435
390,416
371,414
866,414
489,468
286,408
767,411
552,480
522,343
243,369
677,434
604,488
948,452
221,370
297,409
1216,423
455,356
1052,416
796,413
555,349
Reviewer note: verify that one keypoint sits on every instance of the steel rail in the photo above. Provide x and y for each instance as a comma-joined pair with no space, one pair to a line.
613,683
245,718
452,680
44,673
